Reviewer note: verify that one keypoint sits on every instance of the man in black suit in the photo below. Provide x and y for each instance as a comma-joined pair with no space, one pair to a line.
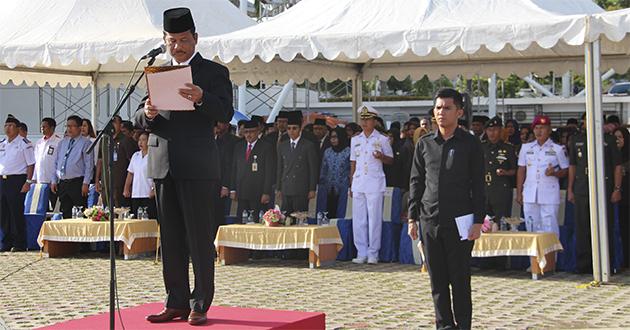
253,172
184,163
225,142
446,187
320,129
297,168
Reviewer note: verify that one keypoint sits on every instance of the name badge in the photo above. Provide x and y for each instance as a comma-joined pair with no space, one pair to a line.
255,165
51,150
530,152
550,153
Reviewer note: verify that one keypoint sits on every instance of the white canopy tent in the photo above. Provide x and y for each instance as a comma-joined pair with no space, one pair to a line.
72,42
357,39
337,39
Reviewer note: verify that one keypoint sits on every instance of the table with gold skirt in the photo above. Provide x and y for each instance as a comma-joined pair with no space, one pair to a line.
58,238
233,242
540,247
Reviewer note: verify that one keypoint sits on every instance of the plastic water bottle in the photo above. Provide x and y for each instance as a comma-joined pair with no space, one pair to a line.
261,214
250,218
320,218
244,216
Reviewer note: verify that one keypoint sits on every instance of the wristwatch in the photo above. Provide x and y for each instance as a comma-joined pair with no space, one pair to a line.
617,188
29,181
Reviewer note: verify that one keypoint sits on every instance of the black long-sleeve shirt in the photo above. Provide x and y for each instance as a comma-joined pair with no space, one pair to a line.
447,179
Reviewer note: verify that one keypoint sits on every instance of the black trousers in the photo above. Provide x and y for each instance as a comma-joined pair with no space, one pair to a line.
186,216
12,219
69,192
624,226
332,202
250,205
583,248
499,203
120,200
149,203
448,263
220,208
292,204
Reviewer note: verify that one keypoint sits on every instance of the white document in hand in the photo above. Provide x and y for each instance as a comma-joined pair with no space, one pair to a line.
163,84
464,223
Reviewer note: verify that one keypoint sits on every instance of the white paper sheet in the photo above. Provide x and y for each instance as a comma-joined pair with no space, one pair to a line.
464,223
163,89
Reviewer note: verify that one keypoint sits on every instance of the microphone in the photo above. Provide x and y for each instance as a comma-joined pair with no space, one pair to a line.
154,52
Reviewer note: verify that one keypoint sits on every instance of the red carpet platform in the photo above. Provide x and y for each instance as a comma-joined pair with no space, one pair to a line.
218,318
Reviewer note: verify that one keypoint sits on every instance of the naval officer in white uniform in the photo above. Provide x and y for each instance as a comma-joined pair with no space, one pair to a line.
541,164
368,152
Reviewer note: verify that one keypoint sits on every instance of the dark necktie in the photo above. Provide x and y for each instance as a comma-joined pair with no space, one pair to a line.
65,157
292,146
248,152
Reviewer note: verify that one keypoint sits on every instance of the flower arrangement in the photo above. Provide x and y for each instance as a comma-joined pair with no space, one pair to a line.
96,213
273,217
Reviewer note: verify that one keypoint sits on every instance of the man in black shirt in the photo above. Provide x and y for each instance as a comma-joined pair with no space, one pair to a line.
447,183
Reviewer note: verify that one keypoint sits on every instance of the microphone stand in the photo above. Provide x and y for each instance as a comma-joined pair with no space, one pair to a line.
108,133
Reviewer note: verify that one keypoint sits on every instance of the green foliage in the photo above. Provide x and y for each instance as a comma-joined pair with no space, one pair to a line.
613,4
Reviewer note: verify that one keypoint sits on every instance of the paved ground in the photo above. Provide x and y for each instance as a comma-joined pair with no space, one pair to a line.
36,292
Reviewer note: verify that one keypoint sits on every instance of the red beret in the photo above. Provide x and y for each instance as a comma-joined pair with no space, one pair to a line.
541,120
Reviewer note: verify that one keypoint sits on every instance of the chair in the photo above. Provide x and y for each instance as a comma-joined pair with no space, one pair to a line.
35,206
390,233
344,225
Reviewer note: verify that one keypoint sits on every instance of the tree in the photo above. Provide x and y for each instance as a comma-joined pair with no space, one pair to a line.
613,4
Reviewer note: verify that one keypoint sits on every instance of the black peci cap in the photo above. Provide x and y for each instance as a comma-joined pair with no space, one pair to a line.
251,124
178,20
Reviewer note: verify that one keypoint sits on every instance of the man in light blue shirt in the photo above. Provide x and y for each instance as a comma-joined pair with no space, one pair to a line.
73,168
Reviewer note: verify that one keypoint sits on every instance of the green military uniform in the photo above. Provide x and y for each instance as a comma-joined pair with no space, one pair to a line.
500,155
578,158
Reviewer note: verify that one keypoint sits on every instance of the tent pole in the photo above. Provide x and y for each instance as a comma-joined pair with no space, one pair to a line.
492,96
242,98
357,96
595,137
242,89
94,101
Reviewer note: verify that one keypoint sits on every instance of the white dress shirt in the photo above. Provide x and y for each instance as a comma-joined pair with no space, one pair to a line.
538,187
45,156
141,185
369,176
15,156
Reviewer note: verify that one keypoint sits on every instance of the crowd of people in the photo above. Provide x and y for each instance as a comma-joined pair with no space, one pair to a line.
73,174
288,160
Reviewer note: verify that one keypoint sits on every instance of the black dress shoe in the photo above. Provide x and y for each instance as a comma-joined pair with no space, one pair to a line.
197,318
168,314
17,249
5,249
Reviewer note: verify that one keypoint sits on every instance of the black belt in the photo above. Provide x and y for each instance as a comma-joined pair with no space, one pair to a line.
6,177
71,180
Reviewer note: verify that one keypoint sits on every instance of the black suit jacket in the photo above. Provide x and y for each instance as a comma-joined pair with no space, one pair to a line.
272,139
248,184
182,143
226,144
297,169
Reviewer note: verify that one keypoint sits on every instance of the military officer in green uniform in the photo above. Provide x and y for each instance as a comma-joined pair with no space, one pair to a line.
500,168
578,194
